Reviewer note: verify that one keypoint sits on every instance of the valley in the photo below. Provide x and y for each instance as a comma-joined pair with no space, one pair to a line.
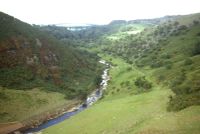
123,111
146,94
154,85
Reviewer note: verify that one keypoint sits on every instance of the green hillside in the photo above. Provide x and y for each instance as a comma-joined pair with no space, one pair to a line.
125,111
172,51
39,72
154,87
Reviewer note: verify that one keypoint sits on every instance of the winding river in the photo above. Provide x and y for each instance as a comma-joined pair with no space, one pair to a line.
93,97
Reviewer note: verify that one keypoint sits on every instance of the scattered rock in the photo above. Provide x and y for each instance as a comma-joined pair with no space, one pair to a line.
38,43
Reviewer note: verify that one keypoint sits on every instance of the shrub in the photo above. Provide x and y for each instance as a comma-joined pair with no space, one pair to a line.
118,89
15,77
140,64
122,83
97,80
156,64
196,49
182,27
176,23
176,104
177,81
127,83
161,77
141,82
129,69
188,61
181,89
195,22
3,96
129,62
198,34
165,56
168,66
180,102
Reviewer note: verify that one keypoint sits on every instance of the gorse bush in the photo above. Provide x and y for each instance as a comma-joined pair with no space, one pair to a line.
180,102
141,82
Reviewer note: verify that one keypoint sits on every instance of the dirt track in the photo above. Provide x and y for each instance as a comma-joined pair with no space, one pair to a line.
6,128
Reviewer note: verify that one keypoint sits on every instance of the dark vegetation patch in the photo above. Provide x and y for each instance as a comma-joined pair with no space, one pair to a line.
143,84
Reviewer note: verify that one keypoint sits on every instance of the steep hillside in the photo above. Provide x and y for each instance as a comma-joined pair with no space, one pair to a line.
35,62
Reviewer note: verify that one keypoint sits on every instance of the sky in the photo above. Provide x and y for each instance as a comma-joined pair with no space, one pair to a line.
94,11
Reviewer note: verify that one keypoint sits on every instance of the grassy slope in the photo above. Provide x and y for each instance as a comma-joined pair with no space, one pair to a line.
19,105
172,52
126,112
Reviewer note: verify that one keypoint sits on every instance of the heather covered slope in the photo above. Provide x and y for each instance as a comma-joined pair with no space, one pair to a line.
35,66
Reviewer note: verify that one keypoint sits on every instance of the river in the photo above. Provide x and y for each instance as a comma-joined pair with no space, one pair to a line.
93,97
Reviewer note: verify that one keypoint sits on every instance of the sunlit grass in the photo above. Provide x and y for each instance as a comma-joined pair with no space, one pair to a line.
17,105
123,112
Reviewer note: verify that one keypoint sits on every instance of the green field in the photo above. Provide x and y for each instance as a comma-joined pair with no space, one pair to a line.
129,29
123,110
